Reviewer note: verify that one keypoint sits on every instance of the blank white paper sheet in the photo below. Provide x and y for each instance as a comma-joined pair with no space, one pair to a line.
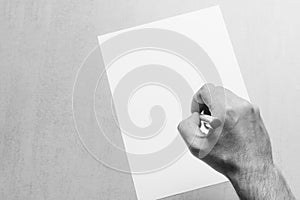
153,69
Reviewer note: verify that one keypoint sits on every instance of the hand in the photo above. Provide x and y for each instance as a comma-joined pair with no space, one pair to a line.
244,142
243,151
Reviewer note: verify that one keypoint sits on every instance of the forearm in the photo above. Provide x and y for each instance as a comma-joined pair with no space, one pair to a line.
264,184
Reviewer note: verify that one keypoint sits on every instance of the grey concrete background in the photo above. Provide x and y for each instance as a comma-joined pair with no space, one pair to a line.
43,42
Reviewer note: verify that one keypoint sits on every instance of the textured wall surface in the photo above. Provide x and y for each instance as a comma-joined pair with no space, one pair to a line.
43,42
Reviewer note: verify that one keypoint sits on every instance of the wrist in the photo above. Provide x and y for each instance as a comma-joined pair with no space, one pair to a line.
265,182
252,173
248,182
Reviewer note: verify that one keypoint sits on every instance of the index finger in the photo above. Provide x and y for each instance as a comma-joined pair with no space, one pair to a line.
202,97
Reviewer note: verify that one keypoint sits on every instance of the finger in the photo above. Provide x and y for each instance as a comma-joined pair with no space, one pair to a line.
202,97
189,129
213,122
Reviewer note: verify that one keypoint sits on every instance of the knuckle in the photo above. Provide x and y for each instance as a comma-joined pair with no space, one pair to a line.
196,97
219,88
229,110
206,88
231,116
246,107
250,110
256,109
181,126
220,94
207,85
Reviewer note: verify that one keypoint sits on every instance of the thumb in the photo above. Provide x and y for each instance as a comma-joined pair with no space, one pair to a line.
190,130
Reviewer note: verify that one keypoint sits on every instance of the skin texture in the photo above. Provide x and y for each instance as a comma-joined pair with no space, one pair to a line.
243,152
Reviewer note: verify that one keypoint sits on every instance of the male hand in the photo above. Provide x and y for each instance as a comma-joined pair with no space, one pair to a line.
243,151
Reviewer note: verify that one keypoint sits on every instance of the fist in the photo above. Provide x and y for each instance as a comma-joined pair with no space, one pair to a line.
243,144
